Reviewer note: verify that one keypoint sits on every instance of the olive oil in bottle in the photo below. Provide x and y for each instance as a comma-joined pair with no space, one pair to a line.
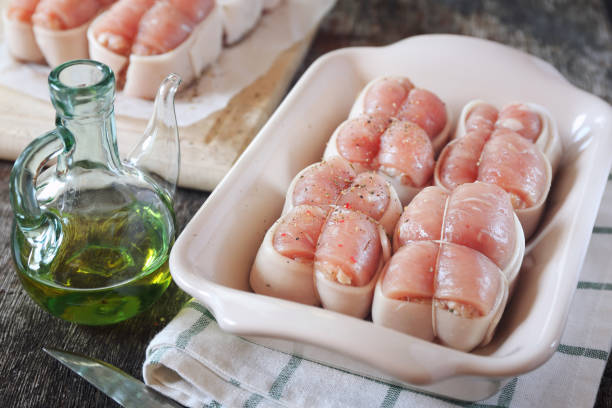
108,268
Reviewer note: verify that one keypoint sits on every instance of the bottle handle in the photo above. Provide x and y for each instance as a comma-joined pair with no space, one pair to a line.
40,227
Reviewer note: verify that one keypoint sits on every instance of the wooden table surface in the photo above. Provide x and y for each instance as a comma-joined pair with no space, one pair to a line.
574,36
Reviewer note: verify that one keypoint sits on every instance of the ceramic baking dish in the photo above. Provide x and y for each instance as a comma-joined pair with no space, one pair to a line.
212,258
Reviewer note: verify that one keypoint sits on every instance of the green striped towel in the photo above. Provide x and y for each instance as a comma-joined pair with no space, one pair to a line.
199,365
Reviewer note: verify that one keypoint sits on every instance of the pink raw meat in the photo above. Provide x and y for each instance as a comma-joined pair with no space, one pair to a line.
521,119
482,117
349,248
516,165
118,27
385,96
368,194
426,110
162,28
460,164
405,150
298,231
467,278
358,139
409,274
322,184
422,218
480,216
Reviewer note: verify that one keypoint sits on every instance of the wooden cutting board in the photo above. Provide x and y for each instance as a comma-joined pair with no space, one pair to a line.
208,147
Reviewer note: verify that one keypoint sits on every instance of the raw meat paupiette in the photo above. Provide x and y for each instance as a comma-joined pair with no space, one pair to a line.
517,148
330,243
395,129
143,40
456,258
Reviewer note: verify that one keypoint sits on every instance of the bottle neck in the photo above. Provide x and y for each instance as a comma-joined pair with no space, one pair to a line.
82,92
95,140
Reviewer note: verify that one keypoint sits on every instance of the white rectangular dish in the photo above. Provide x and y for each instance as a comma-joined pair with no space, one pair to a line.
212,258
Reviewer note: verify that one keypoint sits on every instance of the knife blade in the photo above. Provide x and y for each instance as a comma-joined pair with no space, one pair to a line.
126,390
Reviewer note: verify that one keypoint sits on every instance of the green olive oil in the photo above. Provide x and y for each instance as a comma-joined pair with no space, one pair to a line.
109,266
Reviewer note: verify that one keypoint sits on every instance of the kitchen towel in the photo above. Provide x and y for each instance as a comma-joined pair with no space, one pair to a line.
193,361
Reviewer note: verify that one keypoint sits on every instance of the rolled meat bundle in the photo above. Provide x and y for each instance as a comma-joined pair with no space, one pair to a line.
477,215
437,289
331,241
461,160
519,167
143,40
351,251
397,97
358,141
334,181
470,294
516,165
399,150
395,129
490,148
406,154
530,120
311,257
457,256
